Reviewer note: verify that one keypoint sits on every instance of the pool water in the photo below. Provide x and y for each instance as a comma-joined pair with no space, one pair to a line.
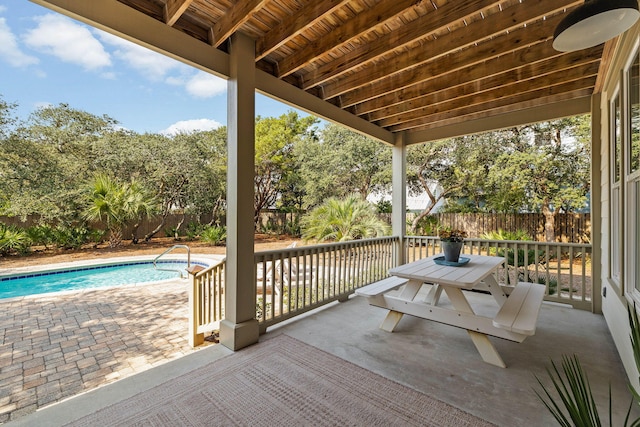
88,277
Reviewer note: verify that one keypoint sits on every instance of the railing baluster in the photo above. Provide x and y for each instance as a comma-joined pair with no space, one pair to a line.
328,272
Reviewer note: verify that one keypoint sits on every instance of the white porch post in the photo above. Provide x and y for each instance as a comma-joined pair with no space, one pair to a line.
596,208
399,192
240,327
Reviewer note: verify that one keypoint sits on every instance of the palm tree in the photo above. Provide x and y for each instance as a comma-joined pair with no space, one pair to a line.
343,219
116,204
141,203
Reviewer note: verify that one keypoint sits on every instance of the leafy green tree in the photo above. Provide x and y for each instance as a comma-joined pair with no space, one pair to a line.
274,159
536,168
548,172
440,169
116,204
47,160
341,162
186,172
343,219
207,188
7,117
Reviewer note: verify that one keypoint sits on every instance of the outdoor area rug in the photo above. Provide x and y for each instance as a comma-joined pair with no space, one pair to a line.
281,382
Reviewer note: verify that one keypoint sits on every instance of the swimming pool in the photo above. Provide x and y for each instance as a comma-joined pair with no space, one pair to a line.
90,277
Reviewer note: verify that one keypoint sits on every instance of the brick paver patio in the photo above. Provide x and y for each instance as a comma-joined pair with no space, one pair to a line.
53,347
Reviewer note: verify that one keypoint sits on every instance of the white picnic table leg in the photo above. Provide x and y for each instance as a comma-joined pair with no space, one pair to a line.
433,296
486,349
393,317
495,289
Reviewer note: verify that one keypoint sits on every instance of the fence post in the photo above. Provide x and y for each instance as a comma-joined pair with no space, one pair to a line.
195,339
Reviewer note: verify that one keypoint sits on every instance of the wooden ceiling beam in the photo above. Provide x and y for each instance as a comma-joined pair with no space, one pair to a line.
433,21
174,9
528,56
451,64
294,24
362,23
534,74
237,15
550,108
493,28
453,99
512,103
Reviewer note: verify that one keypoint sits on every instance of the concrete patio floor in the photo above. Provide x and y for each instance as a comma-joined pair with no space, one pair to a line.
436,359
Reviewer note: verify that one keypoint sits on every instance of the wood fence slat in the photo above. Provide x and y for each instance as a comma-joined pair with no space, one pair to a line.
570,227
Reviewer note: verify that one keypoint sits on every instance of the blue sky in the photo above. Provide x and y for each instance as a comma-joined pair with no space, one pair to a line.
48,59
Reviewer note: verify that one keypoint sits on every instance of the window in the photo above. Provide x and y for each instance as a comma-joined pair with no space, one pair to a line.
615,219
633,146
617,138
632,177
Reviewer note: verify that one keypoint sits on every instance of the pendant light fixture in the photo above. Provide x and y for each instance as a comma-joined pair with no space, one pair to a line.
595,22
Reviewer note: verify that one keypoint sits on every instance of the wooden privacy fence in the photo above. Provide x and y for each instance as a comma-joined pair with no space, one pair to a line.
569,227
146,225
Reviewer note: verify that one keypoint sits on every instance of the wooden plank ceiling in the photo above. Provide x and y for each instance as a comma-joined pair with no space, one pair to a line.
405,65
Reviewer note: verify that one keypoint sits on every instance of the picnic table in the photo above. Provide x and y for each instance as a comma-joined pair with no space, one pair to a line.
516,318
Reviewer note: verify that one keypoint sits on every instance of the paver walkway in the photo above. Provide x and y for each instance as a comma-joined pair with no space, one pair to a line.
53,347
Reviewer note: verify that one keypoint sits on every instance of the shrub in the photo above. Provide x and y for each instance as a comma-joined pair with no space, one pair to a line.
214,235
170,232
73,237
345,219
42,234
13,240
427,226
553,283
194,230
506,235
520,259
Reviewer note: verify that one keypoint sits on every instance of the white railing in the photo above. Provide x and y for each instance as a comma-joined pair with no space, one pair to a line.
206,301
564,268
292,281
295,280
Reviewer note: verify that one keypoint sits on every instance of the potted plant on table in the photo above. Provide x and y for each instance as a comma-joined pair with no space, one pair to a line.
451,243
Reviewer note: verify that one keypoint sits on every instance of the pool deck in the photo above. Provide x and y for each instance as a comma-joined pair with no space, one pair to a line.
55,346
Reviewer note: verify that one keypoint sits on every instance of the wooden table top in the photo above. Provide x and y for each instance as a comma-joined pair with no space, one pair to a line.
465,276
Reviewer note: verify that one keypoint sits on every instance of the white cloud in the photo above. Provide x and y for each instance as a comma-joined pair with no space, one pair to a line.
148,63
156,67
204,85
187,126
9,49
68,41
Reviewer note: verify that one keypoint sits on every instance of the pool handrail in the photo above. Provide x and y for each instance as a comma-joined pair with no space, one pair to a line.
174,269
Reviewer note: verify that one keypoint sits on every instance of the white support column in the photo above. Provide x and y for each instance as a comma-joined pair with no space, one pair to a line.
240,327
596,208
399,192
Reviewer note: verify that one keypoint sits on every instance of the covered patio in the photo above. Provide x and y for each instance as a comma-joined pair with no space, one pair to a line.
407,72
437,360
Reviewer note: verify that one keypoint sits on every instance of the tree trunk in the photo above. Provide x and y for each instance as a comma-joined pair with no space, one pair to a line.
148,236
214,214
176,234
416,220
134,232
115,237
549,223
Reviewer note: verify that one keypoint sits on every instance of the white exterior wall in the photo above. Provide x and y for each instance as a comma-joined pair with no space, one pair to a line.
614,305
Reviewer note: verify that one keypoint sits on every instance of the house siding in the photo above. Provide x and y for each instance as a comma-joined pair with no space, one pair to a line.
614,304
